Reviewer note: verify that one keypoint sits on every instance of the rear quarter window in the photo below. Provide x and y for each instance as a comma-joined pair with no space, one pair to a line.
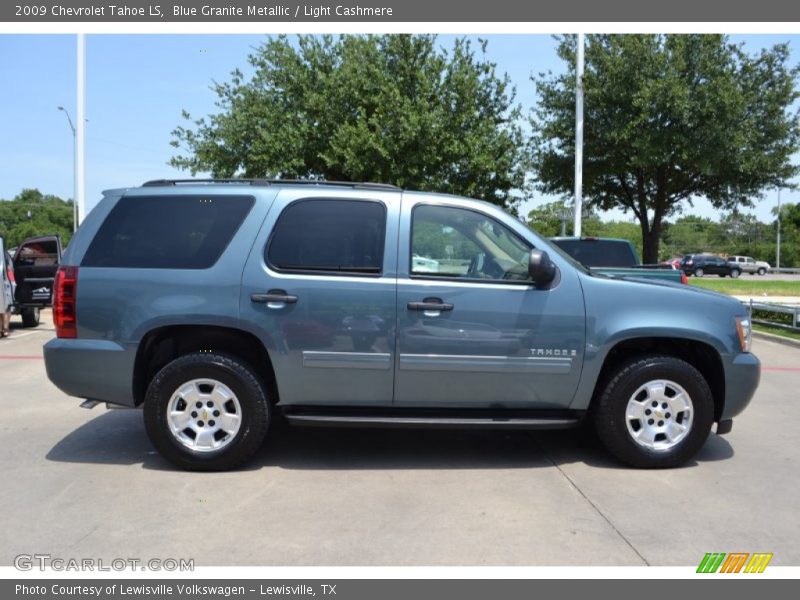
167,232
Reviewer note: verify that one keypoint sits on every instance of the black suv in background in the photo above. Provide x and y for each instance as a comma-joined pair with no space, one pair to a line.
709,264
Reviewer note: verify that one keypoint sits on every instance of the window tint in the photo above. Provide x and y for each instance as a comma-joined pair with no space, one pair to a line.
454,242
599,253
40,253
329,235
167,232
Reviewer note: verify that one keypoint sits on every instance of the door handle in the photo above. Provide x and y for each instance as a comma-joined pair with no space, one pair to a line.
274,298
430,304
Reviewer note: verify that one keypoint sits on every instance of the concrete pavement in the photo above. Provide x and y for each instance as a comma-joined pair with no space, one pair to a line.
80,483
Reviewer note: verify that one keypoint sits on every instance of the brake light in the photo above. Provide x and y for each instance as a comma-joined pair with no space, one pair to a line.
64,296
11,276
684,279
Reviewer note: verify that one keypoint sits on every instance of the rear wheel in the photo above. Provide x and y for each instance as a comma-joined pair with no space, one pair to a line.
655,412
30,316
206,412
735,273
699,272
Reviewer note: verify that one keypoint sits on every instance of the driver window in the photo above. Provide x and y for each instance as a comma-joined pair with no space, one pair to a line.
458,243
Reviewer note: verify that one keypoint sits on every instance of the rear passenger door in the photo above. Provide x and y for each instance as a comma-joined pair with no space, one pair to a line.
320,287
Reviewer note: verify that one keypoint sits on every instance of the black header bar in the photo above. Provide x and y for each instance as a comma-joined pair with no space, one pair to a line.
386,11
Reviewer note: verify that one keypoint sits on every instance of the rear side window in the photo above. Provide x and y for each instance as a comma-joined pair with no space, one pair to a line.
39,253
598,253
167,232
342,236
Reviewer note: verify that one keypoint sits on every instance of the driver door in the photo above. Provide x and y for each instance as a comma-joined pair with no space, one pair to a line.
472,331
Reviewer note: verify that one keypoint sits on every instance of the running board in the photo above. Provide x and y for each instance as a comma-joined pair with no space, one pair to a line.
411,418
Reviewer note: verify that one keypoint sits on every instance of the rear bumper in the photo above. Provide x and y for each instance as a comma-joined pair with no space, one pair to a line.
742,374
95,369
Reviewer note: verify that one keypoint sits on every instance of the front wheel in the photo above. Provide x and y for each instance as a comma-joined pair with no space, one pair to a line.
762,271
206,412
654,412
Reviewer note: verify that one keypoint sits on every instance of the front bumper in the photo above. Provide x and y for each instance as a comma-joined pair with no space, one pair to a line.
742,374
95,369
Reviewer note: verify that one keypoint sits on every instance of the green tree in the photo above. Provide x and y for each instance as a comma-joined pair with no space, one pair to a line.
668,118
31,213
790,235
392,108
549,219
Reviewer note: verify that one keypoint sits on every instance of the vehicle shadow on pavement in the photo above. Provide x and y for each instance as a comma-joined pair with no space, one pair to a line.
118,437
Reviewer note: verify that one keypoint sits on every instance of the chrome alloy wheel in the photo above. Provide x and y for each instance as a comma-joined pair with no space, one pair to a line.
659,415
204,415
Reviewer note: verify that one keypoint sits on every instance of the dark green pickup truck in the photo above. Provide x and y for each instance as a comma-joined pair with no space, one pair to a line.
615,257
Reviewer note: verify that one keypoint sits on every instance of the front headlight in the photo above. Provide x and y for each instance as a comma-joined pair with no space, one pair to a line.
745,330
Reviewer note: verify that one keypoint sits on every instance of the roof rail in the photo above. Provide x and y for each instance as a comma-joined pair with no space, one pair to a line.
232,180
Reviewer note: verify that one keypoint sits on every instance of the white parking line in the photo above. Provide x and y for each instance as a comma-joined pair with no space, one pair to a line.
17,336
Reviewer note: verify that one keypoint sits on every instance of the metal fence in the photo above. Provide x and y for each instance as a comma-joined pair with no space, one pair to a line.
794,311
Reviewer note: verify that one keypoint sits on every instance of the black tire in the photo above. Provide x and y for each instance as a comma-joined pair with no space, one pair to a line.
762,271
609,410
699,272
234,373
735,273
30,316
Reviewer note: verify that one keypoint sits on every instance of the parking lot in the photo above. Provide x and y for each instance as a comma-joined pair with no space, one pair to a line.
78,483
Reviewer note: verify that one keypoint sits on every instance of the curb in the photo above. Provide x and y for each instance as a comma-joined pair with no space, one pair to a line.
778,339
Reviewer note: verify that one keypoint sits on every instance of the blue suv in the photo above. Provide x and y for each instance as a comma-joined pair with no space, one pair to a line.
219,305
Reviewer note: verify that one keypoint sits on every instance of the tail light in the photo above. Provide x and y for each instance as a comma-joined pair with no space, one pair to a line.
11,276
64,296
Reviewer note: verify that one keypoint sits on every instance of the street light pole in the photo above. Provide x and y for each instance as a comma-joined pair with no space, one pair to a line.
778,245
80,133
74,178
578,137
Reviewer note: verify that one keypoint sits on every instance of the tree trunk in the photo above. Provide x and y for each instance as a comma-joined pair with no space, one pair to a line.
650,240
651,232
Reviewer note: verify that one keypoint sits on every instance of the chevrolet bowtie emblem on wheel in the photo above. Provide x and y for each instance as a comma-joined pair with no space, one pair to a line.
735,562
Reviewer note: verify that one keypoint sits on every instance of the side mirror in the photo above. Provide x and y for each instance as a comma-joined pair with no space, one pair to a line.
540,267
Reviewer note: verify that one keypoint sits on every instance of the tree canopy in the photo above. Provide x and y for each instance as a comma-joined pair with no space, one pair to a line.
668,118
31,213
391,108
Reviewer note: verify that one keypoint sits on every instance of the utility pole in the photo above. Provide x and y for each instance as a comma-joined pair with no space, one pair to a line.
579,137
778,245
80,131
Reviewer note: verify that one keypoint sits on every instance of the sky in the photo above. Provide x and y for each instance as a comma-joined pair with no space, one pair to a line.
137,85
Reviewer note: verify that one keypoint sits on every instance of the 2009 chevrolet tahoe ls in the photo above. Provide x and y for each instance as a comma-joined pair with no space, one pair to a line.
215,304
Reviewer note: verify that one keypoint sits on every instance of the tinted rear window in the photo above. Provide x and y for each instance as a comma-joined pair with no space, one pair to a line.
329,236
167,232
598,253
39,253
